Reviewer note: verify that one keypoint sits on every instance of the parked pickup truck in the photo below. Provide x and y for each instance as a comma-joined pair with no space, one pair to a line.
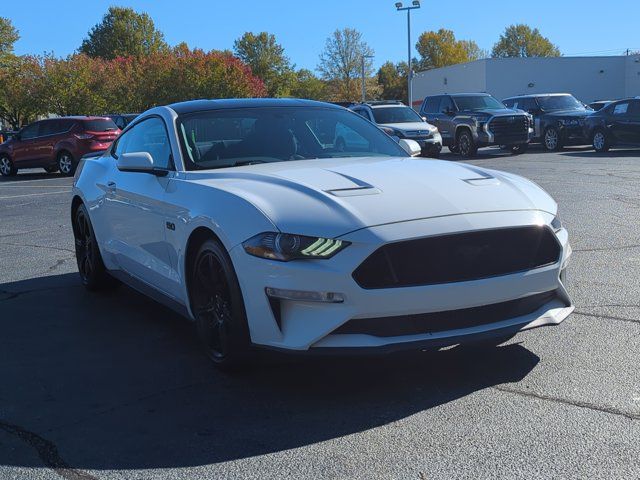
468,121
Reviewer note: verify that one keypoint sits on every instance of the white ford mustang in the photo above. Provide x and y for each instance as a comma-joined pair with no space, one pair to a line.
247,217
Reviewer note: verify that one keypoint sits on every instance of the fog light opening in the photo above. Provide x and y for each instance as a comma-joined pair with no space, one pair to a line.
304,296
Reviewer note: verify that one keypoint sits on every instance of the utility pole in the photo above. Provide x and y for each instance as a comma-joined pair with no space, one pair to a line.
364,77
414,4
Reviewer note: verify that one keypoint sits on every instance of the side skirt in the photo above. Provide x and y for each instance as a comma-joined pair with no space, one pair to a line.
151,292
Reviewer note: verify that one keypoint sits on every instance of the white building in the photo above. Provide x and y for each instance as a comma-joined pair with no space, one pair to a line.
587,78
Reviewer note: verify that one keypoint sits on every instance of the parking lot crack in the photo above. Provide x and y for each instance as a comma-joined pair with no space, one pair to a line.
610,317
60,249
606,249
47,452
573,403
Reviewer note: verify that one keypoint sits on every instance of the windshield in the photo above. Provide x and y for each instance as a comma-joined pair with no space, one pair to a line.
227,138
478,102
559,102
105,125
400,114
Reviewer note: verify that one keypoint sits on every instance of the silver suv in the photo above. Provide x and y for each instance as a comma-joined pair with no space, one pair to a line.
400,121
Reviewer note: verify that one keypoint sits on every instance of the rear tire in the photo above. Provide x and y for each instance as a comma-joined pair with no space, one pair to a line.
93,273
7,168
600,141
66,164
218,306
466,145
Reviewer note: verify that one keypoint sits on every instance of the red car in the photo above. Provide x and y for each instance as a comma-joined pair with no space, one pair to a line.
56,144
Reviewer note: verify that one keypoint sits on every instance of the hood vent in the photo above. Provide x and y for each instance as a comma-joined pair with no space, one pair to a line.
359,188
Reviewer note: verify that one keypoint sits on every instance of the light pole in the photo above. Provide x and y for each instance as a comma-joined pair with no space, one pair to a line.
415,4
364,86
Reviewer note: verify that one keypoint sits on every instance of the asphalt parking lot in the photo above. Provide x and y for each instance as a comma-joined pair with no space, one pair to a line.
114,386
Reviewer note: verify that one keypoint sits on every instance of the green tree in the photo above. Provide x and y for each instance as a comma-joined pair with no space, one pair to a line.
267,61
73,86
123,32
8,36
392,79
21,87
308,85
523,41
341,63
439,49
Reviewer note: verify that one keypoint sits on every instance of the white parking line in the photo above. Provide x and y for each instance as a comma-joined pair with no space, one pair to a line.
34,194
31,186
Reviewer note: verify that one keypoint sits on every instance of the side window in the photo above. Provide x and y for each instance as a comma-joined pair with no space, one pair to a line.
621,108
432,105
635,108
446,104
361,112
529,104
148,136
49,127
30,131
511,104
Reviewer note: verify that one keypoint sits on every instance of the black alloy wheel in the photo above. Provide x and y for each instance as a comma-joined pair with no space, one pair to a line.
600,141
466,145
218,307
92,271
7,168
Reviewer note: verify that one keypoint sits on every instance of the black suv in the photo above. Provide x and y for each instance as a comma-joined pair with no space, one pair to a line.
616,124
468,121
558,118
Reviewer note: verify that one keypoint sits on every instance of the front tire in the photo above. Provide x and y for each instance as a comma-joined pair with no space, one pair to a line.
551,140
218,306
7,168
66,164
93,273
600,141
466,145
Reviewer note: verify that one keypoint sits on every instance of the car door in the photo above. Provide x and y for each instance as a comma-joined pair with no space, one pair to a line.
634,122
619,122
23,149
431,110
134,209
445,115
48,136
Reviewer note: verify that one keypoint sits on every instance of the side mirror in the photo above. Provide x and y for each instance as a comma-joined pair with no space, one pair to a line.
140,162
410,146
424,119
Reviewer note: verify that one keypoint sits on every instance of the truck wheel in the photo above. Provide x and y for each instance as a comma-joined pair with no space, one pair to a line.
551,140
600,141
466,145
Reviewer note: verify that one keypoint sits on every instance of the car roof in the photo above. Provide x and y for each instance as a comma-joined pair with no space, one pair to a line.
468,94
219,104
536,95
76,117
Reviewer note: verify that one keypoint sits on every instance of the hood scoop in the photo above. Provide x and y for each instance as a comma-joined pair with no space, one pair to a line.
483,178
359,188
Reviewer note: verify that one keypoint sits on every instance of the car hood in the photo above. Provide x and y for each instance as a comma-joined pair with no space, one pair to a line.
491,113
409,126
569,113
332,197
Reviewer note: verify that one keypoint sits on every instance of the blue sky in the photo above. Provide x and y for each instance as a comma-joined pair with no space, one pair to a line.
302,26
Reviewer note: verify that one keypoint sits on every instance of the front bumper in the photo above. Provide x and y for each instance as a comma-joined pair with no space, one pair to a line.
310,326
573,135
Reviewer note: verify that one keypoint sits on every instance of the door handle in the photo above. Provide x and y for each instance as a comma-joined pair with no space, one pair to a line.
111,186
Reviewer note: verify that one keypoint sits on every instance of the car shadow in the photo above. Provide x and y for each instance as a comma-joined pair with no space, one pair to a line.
591,153
31,174
114,381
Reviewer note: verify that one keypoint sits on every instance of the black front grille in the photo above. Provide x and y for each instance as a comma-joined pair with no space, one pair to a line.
458,257
510,127
444,321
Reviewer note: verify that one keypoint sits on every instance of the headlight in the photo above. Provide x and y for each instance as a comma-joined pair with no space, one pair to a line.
556,224
285,246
